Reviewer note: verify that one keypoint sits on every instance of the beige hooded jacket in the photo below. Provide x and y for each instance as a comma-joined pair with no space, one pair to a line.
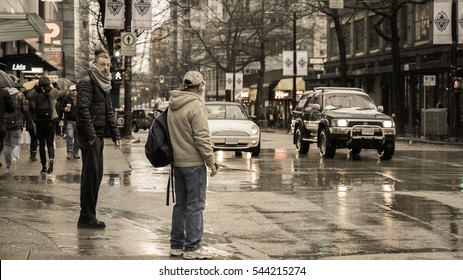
189,130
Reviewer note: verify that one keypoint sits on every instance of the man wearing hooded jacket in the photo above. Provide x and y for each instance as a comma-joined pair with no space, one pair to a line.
190,138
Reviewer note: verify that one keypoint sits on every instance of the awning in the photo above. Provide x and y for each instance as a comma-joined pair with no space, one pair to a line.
21,26
37,60
287,84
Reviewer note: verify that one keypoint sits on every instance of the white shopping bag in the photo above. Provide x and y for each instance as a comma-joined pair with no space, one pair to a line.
25,137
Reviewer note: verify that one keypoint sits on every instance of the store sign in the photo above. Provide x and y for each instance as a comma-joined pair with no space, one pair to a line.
19,66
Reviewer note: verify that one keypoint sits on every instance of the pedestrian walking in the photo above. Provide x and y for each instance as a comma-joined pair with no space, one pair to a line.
45,96
31,128
190,137
6,106
69,107
14,123
95,115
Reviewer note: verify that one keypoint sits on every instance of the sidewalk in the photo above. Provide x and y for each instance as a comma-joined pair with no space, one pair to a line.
22,239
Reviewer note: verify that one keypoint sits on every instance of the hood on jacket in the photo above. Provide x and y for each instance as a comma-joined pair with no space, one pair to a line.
179,98
44,81
12,90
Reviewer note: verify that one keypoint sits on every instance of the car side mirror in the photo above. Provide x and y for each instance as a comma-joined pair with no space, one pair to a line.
380,109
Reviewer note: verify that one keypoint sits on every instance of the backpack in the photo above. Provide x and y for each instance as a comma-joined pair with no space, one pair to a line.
158,148
43,110
12,120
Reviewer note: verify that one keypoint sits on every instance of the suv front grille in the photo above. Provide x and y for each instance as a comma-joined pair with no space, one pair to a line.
365,123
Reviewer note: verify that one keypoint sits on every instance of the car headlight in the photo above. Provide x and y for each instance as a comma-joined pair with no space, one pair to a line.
340,122
388,124
254,129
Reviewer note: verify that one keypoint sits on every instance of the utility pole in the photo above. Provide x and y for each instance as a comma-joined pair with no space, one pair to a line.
128,76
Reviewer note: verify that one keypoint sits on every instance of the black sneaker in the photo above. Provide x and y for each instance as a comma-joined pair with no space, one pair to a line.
44,169
50,166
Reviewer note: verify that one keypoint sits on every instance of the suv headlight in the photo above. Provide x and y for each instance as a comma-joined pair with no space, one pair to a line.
340,122
388,124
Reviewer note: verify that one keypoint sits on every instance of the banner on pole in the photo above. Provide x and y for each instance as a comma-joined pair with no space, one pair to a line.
460,21
228,81
239,81
301,63
442,28
141,14
288,63
114,14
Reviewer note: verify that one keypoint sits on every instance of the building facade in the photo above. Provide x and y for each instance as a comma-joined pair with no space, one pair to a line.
369,61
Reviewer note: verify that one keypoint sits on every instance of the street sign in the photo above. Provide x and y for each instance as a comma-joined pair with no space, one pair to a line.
429,80
129,40
336,4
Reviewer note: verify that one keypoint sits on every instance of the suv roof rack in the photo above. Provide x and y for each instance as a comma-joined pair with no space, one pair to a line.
323,89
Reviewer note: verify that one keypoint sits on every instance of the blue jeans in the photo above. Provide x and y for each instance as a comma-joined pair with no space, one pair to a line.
187,216
71,138
12,145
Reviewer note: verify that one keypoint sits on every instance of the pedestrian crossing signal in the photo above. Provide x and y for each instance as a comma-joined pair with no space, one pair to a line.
118,75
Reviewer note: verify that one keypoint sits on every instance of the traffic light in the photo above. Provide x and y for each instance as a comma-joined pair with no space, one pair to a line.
117,47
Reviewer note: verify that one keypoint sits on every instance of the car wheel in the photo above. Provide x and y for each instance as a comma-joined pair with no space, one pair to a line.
256,151
327,148
386,152
135,127
302,147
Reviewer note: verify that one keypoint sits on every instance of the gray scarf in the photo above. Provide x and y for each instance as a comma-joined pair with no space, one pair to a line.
102,80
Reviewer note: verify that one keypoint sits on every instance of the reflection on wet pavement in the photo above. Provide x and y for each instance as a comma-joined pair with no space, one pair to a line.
277,205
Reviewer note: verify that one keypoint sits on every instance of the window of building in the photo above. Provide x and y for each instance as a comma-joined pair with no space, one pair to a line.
333,49
403,25
373,37
358,36
422,22
348,38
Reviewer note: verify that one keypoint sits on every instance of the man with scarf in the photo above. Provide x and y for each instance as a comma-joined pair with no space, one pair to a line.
95,115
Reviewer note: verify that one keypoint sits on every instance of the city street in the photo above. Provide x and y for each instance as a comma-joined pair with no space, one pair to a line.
276,206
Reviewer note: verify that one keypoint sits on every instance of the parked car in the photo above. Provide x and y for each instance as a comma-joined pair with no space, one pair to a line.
232,129
141,119
335,117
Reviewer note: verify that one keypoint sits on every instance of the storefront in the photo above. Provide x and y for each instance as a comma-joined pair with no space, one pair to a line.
280,99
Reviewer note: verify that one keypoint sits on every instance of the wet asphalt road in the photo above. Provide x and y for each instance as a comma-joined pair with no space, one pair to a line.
276,206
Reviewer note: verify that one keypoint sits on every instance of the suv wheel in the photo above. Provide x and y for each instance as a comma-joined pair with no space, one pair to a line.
327,148
302,147
135,127
386,152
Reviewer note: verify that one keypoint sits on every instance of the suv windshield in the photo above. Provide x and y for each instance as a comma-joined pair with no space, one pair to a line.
342,100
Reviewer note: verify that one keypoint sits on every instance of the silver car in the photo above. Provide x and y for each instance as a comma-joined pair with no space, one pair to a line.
232,129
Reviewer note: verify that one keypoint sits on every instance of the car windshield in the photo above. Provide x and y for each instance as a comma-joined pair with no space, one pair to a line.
357,101
225,112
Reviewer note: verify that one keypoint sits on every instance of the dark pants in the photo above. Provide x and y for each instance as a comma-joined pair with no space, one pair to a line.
92,174
34,141
46,136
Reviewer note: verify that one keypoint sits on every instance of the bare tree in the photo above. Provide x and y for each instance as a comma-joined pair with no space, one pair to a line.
389,12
